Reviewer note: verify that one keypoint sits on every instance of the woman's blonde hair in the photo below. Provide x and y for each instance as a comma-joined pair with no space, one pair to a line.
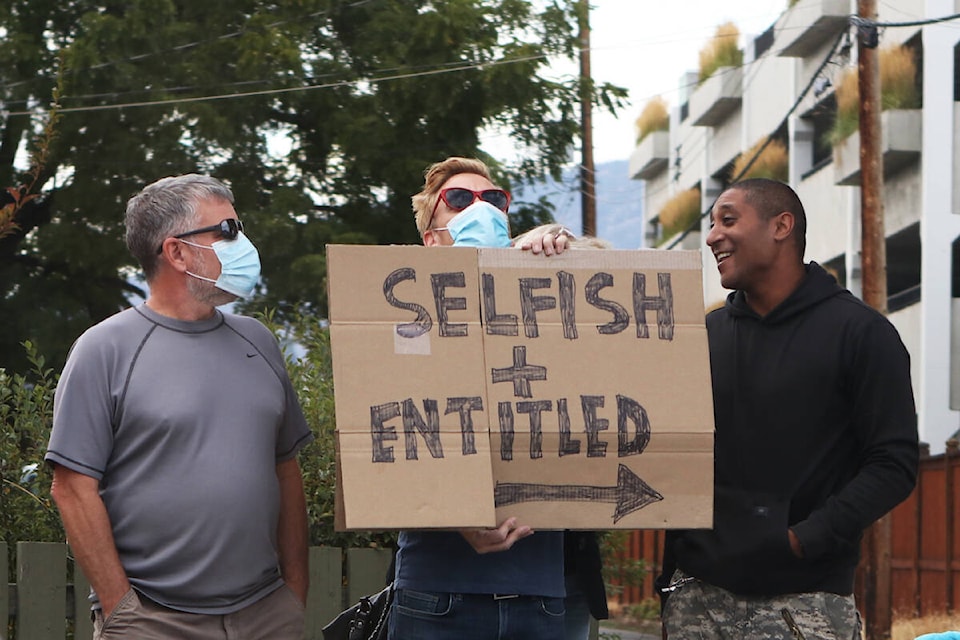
435,177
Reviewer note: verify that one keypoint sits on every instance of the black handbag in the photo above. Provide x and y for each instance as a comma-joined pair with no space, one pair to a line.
366,620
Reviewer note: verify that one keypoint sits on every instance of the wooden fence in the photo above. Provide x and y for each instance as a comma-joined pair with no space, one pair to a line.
924,562
925,541
925,545
44,605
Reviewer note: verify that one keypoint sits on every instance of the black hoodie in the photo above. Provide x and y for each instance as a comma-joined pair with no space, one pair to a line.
815,431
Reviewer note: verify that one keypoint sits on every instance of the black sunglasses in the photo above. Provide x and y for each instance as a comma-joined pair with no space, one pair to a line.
458,199
228,229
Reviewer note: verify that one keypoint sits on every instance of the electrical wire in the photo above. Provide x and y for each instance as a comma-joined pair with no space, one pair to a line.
190,45
452,66
784,121
857,21
266,92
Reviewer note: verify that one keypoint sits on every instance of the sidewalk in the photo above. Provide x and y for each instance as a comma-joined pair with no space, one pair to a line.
610,633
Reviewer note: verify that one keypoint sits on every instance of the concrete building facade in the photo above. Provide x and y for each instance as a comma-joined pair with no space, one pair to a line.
785,89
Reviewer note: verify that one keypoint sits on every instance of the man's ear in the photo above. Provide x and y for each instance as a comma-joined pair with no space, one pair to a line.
429,238
173,253
783,225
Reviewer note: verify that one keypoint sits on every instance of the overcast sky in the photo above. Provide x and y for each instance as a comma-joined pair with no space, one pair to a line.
646,45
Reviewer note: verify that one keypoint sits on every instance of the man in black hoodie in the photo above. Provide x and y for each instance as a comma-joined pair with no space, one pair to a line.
816,436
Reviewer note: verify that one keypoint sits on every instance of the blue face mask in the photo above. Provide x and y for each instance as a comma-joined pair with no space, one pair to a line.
479,225
239,265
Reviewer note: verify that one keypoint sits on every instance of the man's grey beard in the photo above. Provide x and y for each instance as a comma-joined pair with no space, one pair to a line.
207,292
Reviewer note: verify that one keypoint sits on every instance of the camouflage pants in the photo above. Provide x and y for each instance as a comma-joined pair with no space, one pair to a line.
700,611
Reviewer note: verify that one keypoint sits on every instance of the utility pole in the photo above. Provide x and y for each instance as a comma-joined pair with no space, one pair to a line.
873,235
875,563
588,187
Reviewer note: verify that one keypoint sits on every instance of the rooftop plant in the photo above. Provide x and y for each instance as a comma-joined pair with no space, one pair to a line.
721,51
773,162
898,90
679,212
654,117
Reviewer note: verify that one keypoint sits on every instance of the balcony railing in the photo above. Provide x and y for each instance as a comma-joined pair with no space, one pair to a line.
900,134
808,24
650,157
719,96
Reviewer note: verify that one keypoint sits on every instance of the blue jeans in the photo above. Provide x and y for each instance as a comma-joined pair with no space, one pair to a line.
420,615
577,618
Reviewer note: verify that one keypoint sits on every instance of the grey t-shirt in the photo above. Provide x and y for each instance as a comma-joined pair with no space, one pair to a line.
183,423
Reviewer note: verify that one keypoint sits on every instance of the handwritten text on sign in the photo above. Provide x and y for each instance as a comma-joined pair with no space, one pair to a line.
520,373
542,367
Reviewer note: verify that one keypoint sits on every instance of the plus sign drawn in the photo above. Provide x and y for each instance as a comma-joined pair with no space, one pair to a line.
520,374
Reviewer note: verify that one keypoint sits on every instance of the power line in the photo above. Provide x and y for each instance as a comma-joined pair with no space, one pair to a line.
190,45
783,122
854,20
452,66
858,21
266,92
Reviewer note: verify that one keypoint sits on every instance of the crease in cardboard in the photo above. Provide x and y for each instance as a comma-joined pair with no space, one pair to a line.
568,416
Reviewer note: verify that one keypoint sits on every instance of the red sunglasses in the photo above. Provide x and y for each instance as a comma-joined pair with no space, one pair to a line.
458,199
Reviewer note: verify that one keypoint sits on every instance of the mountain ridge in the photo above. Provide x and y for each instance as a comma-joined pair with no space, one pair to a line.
620,215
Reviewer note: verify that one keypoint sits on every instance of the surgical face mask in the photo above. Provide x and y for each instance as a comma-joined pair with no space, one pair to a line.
239,265
479,225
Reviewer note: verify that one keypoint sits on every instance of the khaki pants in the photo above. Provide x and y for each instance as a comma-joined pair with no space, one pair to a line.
701,611
279,616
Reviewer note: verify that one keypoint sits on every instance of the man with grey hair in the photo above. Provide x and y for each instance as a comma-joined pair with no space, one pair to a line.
175,440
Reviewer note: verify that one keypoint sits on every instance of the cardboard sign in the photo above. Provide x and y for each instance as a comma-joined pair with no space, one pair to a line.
476,384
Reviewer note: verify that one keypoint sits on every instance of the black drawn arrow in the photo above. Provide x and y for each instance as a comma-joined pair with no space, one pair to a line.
630,494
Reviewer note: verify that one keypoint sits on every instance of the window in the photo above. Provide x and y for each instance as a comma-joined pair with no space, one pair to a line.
821,118
837,267
763,42
903,268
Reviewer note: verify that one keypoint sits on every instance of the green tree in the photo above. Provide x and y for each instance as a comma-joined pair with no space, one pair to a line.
364,93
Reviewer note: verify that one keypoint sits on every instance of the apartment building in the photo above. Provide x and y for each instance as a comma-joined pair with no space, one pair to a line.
786,89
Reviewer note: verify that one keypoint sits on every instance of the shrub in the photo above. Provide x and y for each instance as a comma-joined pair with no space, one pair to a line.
311,372
619,569
898,78
773,162
848,106
680,212
26,414
898,90
646,609
654,117
720,51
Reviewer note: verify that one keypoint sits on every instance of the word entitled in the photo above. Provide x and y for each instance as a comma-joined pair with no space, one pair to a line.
633,427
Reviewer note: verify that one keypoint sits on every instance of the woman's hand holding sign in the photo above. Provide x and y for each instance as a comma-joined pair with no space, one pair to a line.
499,539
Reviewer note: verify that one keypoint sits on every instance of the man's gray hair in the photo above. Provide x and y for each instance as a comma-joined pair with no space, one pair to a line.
165,208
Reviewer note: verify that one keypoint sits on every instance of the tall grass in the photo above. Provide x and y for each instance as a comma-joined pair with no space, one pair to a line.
720,51
910,629
773,162
679,212
654,117
898,90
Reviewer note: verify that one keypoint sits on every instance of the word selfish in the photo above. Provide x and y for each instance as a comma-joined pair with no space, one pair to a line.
497,324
